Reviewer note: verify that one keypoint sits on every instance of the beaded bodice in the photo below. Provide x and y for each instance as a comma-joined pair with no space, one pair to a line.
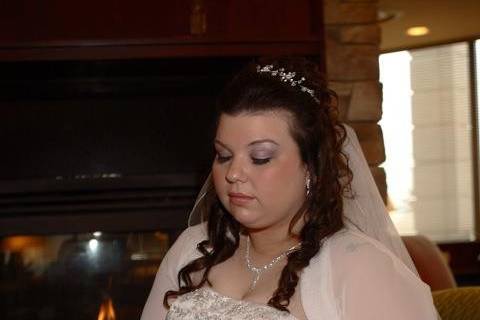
207,304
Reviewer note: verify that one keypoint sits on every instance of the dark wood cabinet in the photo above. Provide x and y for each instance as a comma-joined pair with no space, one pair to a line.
119,29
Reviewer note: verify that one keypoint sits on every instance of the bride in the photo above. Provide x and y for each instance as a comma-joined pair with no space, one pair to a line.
289,225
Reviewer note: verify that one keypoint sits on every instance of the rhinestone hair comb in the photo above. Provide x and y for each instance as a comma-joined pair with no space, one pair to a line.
287,77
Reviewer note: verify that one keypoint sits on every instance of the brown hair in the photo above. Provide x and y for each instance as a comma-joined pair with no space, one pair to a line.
319,135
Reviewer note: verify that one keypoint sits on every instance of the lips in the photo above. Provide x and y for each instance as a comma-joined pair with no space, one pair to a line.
239,198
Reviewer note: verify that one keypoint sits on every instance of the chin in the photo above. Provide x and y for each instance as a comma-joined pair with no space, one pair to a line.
245,217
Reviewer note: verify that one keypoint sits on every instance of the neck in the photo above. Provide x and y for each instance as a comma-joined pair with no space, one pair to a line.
271,241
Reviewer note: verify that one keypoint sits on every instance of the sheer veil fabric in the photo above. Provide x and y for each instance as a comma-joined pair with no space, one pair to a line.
365,211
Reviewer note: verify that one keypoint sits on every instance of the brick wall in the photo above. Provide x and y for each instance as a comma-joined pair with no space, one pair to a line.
352,48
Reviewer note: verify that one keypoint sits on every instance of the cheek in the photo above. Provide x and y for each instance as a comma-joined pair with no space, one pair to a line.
218,176
283,181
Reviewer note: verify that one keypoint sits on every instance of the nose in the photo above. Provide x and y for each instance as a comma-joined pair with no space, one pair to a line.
236,172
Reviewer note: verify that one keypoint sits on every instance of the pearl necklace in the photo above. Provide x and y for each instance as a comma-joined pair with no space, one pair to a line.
258,271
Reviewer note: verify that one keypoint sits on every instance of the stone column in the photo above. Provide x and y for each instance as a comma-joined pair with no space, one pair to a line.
352,49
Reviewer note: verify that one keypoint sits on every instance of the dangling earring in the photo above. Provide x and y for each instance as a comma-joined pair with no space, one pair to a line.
307,184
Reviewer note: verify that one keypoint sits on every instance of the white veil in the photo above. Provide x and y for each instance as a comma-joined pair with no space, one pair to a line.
365,211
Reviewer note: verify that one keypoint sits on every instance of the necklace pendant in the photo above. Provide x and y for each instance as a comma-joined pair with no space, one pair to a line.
257,271
256,277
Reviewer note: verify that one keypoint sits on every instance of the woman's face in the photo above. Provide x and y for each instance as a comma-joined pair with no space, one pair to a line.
258,174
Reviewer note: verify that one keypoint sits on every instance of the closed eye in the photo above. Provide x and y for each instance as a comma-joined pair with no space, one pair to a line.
222,159
260,161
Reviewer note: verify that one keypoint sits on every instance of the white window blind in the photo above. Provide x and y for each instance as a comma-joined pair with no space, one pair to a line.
428,141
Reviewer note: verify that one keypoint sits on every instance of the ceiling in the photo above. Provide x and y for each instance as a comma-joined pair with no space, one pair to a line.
448,21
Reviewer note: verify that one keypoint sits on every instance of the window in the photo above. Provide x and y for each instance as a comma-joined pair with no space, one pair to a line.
477,75
427,127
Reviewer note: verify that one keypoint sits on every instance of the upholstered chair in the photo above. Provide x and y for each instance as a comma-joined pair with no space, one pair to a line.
430,262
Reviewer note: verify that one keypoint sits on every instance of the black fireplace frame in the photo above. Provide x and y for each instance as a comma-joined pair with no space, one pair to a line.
82,199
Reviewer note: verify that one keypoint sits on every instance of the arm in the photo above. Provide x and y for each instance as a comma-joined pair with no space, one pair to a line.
371,283
166,278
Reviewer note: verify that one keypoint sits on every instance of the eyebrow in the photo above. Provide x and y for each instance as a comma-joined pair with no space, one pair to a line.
250,144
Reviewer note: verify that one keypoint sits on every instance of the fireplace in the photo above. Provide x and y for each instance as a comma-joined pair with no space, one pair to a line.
101,162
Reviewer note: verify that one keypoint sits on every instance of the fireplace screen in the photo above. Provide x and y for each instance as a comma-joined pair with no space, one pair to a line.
79,276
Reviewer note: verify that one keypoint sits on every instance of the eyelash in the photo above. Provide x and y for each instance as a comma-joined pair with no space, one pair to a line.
260,161
222,159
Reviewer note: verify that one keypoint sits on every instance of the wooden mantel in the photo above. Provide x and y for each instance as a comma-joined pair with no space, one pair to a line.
157,49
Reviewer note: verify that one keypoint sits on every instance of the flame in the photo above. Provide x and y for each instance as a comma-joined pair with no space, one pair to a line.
107,312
